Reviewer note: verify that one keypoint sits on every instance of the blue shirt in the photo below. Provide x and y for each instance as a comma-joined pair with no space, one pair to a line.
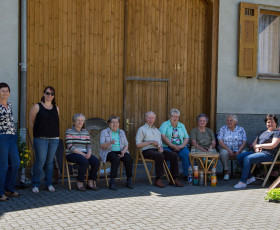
167,129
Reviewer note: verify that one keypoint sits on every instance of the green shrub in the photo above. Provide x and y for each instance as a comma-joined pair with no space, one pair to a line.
273,194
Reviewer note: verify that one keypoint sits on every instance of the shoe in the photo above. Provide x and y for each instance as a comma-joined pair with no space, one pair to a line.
35,189
81,188
92,185
240,185
159,183
129,185
251,180
113,187
12,194
226,177
51,188
4,198
177,183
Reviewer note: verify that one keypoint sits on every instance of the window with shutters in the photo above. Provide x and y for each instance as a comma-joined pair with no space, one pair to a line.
259,42
269,44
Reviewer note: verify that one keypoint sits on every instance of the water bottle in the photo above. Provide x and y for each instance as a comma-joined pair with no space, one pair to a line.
195,175
213,177
201,177
190,175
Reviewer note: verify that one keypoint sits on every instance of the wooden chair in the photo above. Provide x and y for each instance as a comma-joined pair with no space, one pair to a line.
71,178
105,173
276,161
140,157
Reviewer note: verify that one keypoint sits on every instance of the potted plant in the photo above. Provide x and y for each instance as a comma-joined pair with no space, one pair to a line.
24,156
273,195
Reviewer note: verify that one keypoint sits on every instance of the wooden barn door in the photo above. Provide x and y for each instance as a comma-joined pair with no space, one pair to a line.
165,61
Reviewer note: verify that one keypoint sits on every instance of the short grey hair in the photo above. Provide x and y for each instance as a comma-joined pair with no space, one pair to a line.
202,115
172,111
75,117
149,113
235,118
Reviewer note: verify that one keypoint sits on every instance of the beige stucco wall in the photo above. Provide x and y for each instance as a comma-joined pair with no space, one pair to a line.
9,48
237,94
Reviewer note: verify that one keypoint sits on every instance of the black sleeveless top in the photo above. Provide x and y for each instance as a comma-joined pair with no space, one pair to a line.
46,122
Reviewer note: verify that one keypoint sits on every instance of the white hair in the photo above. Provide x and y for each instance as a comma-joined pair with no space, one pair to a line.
75,117
172,111
149,113
235,118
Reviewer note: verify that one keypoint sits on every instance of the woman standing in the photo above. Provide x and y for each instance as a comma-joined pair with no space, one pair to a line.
44,120
79,149
114,148
9,157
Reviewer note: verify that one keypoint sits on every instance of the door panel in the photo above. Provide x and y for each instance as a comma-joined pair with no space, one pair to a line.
144,96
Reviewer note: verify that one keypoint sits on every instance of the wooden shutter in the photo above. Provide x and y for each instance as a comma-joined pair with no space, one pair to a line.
248,39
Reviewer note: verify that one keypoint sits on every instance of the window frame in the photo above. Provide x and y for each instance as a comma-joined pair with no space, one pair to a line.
268,10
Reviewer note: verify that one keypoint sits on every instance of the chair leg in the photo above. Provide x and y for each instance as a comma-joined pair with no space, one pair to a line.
265,169
135,168
148,173
231,164
167,169
98,173
106,178
68,176
63,168
121,167
152,168
87,176
267,174
253,168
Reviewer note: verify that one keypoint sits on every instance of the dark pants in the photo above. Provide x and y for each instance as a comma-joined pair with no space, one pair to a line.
83,165
115,162
158,157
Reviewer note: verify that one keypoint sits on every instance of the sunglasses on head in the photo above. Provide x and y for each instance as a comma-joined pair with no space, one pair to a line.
48,93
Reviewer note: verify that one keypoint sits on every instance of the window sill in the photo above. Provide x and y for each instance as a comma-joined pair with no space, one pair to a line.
268,76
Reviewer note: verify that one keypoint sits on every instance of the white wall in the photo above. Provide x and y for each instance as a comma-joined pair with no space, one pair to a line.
9,49
238,94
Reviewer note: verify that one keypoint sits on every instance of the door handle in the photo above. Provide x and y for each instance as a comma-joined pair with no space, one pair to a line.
128,123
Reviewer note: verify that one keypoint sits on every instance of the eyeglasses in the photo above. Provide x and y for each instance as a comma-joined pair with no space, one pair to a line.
48,93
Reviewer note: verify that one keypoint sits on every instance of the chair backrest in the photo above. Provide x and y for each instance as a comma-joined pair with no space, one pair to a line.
94,126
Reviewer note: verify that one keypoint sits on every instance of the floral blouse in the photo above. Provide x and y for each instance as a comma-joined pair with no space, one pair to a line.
175,139
232,139
7,120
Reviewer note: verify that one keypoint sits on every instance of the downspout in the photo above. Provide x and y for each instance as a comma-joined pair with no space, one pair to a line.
23,72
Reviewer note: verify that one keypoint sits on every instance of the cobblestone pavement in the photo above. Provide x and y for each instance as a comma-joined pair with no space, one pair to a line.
144,207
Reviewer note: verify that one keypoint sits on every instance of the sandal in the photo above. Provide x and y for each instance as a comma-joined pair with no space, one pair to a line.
51,188
4,198
12,194
92,185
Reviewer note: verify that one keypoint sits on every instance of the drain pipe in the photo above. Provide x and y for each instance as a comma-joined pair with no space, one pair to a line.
23,72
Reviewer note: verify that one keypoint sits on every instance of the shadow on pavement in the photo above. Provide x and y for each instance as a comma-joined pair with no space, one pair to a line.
29,200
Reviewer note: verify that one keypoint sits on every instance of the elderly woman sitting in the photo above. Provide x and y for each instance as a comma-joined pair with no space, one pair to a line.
114,148
202,138
265,145
78,150
175,138
232,140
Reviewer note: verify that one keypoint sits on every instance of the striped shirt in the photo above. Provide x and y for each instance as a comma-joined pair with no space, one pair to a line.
77,140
